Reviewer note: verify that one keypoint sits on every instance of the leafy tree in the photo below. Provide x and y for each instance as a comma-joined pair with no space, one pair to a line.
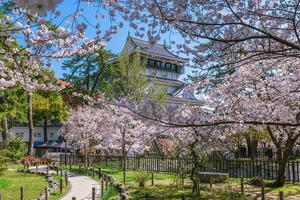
128,77
48,106
12,107
89,71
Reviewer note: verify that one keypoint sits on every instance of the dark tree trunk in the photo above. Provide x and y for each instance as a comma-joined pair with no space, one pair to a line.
251,147
5,133
283,160
30,126
45,129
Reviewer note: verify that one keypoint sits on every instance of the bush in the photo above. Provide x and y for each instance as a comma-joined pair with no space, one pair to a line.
141,178
16,149
3,161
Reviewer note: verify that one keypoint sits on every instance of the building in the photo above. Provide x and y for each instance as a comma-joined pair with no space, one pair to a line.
163,70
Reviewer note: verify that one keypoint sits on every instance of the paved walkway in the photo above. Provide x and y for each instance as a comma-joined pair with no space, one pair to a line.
80,186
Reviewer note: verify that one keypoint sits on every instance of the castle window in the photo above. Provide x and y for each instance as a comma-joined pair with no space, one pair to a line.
174,67
158,64
168,66
151,63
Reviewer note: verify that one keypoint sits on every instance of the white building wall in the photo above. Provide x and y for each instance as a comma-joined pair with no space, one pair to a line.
23,132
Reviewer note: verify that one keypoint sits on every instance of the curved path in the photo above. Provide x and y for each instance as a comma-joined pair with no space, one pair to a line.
80,186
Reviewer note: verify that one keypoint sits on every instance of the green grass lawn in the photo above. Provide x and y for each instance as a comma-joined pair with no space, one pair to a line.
166,186
11,182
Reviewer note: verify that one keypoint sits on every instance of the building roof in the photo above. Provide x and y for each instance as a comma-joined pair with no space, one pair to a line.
154,49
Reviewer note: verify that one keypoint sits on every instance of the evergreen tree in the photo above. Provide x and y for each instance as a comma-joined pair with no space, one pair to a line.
90,71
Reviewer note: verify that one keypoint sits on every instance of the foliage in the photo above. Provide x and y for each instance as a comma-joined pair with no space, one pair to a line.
128,77
90,72
141,177
3,161
16,148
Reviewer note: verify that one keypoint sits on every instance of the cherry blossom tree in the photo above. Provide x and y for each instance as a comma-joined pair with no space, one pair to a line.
86,128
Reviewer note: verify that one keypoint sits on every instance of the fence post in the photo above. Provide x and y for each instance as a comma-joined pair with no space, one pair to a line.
0,197
242,185
99,172
124,177
152,178
263,191
46,193
36,167
61,185
93,194
47,169
210,182
106,184
73,198
293,171
22,193
66,178
281,197
61,173
60,159
102,187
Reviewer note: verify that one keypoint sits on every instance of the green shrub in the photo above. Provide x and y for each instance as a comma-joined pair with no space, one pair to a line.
141,178
3,161
16,149
142,194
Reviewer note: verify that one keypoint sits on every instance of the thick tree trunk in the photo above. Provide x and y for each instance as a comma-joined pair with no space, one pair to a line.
30,126
45,129
5,133
251,146
282,162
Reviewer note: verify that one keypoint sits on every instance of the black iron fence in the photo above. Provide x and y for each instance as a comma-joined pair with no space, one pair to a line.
235,168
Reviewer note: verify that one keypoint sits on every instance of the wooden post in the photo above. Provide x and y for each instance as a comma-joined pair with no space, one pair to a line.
66,178
61,173
242,185
61,185
102,188
36,167
93,193
0,197
46,193
73,198
263,191
22,193
106,184
99,173
57,171
152,178
210,182
47,169
281,197
124,177
93,172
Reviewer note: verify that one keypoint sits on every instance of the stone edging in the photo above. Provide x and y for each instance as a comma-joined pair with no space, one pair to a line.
54,185
120,187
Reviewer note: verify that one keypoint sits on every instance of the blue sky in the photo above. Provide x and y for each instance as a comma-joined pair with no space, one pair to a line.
115,44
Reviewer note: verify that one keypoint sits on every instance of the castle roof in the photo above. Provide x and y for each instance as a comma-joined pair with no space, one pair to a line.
153,49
